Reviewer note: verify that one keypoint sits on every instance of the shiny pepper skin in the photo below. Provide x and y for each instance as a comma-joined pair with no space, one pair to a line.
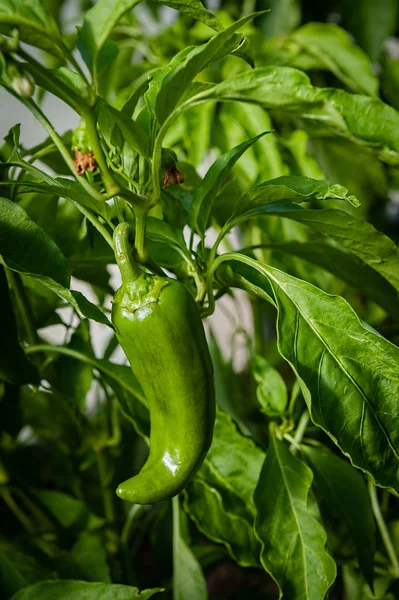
159,328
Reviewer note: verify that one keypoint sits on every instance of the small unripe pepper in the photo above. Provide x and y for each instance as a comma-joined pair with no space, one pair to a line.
159,327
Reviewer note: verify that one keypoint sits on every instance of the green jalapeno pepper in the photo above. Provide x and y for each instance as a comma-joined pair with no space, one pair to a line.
159,327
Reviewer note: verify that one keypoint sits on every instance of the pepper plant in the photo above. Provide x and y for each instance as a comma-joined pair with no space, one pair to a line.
230,160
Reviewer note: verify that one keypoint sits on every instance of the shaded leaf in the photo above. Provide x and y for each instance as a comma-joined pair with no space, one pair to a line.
72,590
348,499
347,267
35,25
188,578
195,9
14,366
219,499
324,110
370,23
335,356
98,23
133,135
287,524
359,237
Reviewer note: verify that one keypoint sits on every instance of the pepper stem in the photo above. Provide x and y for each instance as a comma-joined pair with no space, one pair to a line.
128,267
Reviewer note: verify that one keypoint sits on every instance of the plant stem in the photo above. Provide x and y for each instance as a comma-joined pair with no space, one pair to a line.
24,308
176,538
110,184
15,509
382,527
88,360
300,431
139,238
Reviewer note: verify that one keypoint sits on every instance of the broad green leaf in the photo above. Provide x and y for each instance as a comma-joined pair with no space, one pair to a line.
98,23
359,237
64,83
76,590
371,23
347,267
206,192
336,357
284,16
71,513
26,248
356,167
271,390
346,494
291,188
133,135
35,25
324,110
14,366
219,499
327,46
195,9
188,578
176,82
287,525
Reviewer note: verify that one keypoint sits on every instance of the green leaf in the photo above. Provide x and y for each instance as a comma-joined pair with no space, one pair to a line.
359,237
219,499
254,119
284,16
188,578
324,111
65,188
271,390
62,82
71,513
195,9
98,23
18,570
205,194
26,248
40,408
75,377
131,399
177,81
335,356
370,23
90,559
134,136
287,524
14,366
291,188
346,494
35,24
73,590
327,46
347,267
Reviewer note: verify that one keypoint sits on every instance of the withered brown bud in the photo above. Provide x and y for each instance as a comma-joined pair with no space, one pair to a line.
172,175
